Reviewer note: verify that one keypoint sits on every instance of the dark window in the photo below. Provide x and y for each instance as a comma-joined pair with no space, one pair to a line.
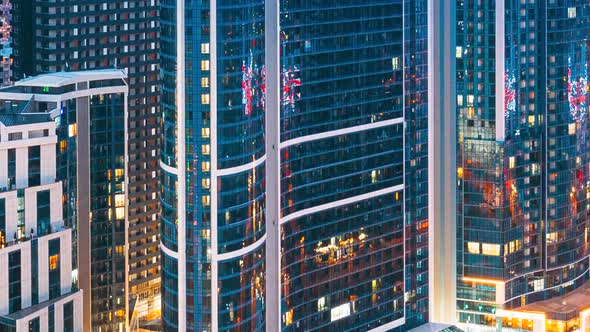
34,165
11,168
51,319
34,325
14,285
2,222
69,316
43,212
34,272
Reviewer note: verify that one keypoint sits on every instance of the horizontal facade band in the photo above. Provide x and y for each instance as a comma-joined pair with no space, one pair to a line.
341,202
168,252
343,131
241,168
241,252
168,169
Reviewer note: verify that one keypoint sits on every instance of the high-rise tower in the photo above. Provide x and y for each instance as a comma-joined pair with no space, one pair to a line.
294,165
523,162
89,111
53,36
36,280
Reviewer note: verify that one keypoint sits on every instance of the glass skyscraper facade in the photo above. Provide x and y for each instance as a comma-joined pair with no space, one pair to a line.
523,167
348,106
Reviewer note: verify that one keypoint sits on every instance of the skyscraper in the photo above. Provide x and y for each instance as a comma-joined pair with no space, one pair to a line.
72,35
523,163
294,165
36,292
89,110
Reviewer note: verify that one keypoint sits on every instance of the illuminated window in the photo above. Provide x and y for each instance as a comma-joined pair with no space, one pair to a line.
322,304
205,166
340,312
206,149
206,183
205,132
63,145
72,130
572,128
395,63
205,48
204,64
119,200
511,162
460,100
470,100
288,317
53,260
206,200
205,82
571,12
490,249
205,99
531,120
459,52
473,247
120,213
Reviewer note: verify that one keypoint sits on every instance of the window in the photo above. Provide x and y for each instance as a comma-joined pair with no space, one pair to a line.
69,317
72,130
43,212
54,269
490,249
14,281
34,325
571,12
53,261
473,248
205,48
204,64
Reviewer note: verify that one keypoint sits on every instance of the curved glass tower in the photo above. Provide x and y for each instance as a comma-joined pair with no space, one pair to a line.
294,165
523,161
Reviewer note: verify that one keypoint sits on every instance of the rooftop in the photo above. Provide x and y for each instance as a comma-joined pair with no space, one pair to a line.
60,79
565,306
17,119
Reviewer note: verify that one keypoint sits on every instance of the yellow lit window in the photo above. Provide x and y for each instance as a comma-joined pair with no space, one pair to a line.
53,260
205,166
206,183
572,128
490,249
205,149
63,145
473,247
120,213
459,100
205,82
205,132
204,64
206,200
119,172
205,99
511,162
119,200
459,52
